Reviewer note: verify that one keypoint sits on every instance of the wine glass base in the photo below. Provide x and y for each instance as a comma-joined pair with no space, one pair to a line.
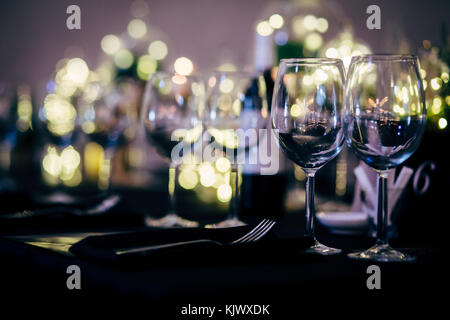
170,221
228,223
381,253
319,248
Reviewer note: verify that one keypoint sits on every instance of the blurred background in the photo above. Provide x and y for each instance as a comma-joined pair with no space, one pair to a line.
50,143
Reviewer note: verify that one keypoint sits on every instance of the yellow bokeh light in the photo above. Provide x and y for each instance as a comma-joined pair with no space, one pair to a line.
308,80
298,110
332,53
276,21
397,108
208,178
146,66
442,123
183,66
137,28
157,50
88,127
264,28
226,86
313,41
110,44
224,193
60,114
205,168
436,106
93,157
70,159
223,165
445,76
188,179
77,71
52,163
436,84
310,22
64,167
322,25
123,59
298,26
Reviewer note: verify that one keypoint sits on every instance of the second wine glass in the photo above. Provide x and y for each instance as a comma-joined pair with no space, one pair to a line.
171,115
236,112
385,118
306,116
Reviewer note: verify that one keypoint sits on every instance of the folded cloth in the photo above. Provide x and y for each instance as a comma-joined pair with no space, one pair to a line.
111,247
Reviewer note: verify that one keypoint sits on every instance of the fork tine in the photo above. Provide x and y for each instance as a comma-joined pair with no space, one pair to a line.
257,232
261,232
255,229
269,227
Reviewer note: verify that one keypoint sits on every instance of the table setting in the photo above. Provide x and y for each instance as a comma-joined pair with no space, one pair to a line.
298,179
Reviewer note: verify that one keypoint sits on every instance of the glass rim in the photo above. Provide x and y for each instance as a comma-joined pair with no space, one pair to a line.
311,61
385,57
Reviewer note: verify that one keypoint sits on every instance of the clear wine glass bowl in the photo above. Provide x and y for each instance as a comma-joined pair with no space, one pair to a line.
384,121
306,116
172,110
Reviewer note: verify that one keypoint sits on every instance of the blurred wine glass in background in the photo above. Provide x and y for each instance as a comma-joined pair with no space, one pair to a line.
108,118
171,116
236,111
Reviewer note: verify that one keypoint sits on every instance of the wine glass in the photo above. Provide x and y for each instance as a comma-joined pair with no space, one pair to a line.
171,115
306,116
384,121
106,113
236,111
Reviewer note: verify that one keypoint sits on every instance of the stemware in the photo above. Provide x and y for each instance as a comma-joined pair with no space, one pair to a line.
171,115
384,121
236,111
306,116
106,113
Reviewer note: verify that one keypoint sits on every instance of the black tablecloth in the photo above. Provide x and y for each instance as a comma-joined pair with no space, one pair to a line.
289,282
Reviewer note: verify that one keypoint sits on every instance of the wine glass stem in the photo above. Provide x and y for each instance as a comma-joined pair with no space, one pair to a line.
382,208
234,202
104,181
171,188
310,208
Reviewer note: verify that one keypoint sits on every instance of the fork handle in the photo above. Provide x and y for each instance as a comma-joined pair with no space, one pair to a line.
149,249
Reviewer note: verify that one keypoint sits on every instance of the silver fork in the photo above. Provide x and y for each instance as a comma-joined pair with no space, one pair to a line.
253,235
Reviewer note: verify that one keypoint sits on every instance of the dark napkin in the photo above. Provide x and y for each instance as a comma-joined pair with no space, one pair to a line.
104,247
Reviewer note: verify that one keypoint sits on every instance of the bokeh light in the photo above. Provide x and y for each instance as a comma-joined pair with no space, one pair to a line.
137,28
276,21
157,50
183,66
110,44
264,28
